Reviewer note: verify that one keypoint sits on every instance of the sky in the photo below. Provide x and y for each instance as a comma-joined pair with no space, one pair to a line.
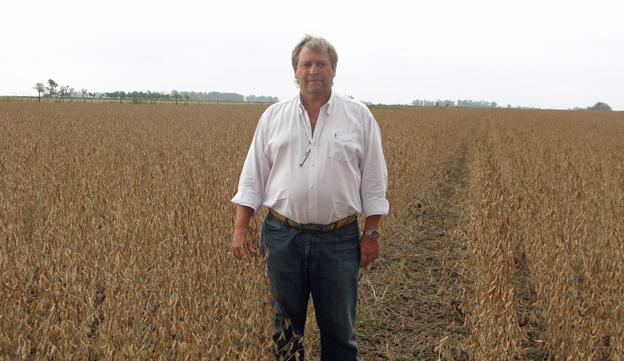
547,54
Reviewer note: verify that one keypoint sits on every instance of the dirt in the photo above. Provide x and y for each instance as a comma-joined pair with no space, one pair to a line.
410,309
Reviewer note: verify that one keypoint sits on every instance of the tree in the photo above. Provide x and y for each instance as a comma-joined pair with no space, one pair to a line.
84,94
600,107
65,91
176,95
40,88
51,87
119,94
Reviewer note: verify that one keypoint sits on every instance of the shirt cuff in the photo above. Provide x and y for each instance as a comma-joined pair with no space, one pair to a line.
379,206
249,201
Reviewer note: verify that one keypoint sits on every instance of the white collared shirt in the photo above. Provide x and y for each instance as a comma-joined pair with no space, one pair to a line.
316,178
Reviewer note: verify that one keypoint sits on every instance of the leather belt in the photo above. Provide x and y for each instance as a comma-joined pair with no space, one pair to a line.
314,227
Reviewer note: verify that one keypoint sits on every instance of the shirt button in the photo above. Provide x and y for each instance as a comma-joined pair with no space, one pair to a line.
312,164
311,187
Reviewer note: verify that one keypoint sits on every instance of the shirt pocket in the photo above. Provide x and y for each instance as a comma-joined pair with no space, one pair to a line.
343,146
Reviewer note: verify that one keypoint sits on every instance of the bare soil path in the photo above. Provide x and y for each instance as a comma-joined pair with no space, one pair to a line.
411,302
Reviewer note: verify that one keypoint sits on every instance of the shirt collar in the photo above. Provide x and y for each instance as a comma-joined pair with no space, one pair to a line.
328,106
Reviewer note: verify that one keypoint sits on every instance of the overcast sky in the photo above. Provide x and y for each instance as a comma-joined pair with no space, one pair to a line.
549,54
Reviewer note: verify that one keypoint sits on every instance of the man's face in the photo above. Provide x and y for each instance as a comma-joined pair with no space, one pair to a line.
314,72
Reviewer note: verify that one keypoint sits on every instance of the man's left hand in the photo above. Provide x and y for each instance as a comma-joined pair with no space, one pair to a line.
369,250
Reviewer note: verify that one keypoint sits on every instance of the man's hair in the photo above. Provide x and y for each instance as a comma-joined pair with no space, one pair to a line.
316,44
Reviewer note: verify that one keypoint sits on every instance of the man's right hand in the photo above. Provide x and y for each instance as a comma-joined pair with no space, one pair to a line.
240,241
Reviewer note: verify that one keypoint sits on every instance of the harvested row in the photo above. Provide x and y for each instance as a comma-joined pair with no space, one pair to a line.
396,292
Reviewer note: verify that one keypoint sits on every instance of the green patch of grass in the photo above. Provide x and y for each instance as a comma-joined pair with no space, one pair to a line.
367,328
400,264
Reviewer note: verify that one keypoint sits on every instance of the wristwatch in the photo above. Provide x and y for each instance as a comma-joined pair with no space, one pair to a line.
372,234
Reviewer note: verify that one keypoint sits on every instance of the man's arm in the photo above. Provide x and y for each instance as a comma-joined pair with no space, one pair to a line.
369,248
373,188
241,227
372,222
248,198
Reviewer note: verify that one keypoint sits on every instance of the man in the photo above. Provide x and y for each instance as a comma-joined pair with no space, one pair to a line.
315,161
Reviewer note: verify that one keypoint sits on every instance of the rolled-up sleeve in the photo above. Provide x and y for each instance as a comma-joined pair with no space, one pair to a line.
374,172
255,173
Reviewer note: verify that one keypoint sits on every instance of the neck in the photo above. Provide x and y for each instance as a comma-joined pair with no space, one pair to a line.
312,101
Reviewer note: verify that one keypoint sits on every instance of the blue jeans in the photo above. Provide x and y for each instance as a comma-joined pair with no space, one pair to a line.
323,264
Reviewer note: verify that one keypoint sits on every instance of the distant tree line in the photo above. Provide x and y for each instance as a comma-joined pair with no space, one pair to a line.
53,90
600,106
261,99
453,104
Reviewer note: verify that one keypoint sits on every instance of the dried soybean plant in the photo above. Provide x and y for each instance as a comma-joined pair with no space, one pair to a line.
115,227
547,197
115,224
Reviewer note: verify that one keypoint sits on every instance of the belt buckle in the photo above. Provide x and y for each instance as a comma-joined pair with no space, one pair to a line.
304,227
